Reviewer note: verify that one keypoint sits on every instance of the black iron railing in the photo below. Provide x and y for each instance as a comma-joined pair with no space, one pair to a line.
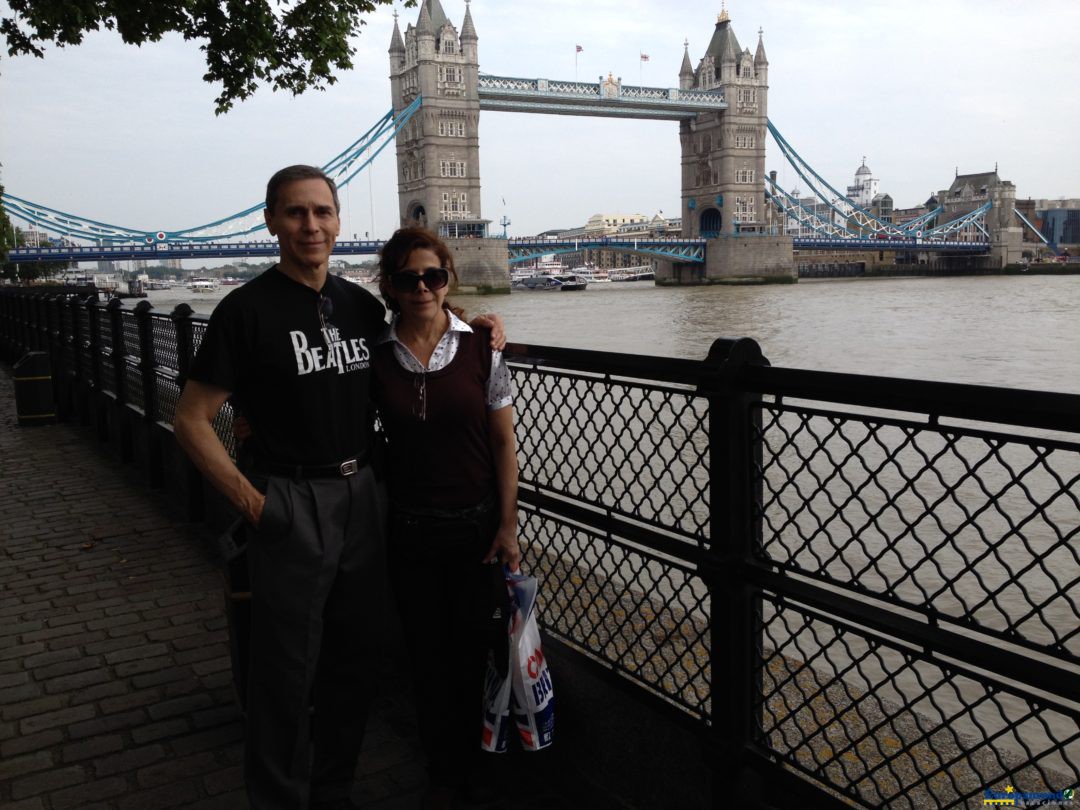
861,590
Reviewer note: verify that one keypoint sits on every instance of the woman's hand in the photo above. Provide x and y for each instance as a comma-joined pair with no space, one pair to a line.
505,549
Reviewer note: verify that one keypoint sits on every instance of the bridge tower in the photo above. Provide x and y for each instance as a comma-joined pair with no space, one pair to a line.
438,151
723,168
968,192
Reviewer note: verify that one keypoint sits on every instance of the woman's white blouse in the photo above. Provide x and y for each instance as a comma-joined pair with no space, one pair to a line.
499,393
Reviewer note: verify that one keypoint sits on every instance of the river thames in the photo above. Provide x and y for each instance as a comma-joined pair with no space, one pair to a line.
1016,331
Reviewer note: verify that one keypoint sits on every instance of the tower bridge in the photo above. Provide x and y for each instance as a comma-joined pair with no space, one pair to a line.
734,216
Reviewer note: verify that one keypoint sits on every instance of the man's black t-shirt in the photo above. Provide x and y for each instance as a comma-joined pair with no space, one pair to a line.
304,389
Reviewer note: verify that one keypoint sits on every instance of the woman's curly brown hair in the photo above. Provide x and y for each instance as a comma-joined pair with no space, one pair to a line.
395,253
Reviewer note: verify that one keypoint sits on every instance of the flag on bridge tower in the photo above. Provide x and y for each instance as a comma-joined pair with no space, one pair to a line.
578,49
644,57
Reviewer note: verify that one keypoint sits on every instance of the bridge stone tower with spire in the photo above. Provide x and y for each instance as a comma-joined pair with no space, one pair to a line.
723,168
438,151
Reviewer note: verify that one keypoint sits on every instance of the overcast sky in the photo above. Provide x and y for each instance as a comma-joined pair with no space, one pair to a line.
128,136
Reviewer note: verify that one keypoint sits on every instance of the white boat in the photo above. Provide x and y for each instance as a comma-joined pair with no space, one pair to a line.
359,279
592,274
199,284
642,272
542,267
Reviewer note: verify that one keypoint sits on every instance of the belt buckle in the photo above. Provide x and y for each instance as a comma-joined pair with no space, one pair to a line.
349,467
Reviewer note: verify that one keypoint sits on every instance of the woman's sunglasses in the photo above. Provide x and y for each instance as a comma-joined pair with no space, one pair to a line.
407,281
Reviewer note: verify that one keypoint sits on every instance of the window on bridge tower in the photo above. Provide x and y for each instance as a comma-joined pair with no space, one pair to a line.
453,129
451,168
449,73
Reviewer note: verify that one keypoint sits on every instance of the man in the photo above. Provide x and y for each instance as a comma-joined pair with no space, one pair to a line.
292,347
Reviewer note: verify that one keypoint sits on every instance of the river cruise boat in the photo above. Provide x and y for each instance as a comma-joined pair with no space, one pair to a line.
592,274
564,282
643,272
199,284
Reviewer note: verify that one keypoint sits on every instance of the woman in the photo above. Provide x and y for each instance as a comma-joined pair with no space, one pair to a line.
444,401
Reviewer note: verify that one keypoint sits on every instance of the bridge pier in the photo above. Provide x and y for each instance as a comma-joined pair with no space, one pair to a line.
482,265
735,259
1007,248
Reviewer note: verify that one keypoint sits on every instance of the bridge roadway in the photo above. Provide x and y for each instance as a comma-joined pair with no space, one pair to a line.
676,248
115,681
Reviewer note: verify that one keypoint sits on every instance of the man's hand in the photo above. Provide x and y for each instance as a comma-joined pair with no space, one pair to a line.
495,324
241,428
194,431
253,509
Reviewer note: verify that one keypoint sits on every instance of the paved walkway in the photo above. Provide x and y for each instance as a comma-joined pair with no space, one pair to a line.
115,681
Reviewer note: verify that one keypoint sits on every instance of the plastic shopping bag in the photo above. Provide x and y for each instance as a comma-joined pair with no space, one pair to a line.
496,709
532,699
525,691
496,731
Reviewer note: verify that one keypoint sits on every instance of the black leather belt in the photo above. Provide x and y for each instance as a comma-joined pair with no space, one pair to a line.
343,469
467,513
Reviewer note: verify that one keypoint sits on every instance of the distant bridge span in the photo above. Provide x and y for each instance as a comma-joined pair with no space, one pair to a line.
677,249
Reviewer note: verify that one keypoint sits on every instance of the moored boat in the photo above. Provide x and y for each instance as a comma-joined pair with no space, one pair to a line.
592,274
565,282
643,272
201,284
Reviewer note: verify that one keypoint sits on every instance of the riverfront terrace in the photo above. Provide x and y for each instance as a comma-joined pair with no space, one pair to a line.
759,572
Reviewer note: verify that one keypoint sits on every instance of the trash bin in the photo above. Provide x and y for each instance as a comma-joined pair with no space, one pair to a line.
34,403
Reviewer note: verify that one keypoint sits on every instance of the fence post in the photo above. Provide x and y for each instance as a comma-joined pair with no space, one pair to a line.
26,341
50,329
78,373
115,310
93,319
148,372
145,325
185,353
60,342
37,316
42,323
735,604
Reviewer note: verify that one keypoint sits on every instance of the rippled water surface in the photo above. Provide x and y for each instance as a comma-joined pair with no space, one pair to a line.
1019,331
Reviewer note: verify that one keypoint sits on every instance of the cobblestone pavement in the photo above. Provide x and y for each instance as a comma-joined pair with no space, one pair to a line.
115,681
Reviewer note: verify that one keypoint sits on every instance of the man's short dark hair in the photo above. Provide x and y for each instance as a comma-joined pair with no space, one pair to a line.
291,174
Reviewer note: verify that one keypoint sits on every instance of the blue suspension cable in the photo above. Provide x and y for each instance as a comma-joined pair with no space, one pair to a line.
385,129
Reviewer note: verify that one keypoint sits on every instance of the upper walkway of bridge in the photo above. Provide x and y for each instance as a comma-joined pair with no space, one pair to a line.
606,98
